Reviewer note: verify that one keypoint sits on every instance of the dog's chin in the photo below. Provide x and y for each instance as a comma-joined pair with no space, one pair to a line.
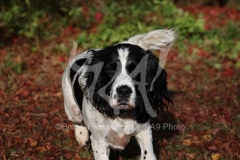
124,107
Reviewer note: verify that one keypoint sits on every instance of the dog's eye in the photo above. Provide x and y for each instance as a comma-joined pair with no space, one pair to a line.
110,71
131,67
110,68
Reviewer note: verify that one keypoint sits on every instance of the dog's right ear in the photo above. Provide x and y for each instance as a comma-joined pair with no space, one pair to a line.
90,55
154,40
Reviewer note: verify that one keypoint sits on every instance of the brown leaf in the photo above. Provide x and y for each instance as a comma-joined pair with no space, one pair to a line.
45,121
216,156
187,142
41,149
32,142
191,155
207,137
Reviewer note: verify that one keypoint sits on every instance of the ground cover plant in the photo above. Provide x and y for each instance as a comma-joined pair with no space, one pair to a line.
203,75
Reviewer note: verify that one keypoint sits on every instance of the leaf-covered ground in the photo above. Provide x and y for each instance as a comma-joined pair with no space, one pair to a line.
204,123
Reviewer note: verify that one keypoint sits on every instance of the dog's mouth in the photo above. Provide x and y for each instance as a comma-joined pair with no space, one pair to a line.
123,103
126,109
124,106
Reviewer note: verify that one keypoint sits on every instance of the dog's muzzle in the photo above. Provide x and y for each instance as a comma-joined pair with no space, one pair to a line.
123,97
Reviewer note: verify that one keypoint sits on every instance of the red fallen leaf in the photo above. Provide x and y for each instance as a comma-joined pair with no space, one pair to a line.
77,157
226,146
227,115
61,58
213,148
204,53
4,51
27,83
177,114
213,12
68,155
25,94
6,115
98,17
68,30
214,131
4,154
15,40
21,94
228,72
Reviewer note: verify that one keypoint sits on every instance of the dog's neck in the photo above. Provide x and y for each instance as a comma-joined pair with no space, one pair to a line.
127,115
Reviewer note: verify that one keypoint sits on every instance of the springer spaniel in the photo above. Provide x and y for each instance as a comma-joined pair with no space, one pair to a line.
112,92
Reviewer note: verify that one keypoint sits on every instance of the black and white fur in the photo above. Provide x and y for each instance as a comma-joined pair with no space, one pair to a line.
114,91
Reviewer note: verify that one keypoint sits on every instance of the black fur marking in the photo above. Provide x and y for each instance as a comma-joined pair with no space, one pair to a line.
75,67
159,90
108,57
77,92
145,152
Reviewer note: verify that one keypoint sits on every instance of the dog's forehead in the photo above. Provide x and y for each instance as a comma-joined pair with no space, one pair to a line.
130,52
123,55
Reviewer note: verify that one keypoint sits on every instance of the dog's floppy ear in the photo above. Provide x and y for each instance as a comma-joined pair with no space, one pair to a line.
154,40
90,54
156,87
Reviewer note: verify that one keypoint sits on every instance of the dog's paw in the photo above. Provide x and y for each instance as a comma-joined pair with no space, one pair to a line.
82,135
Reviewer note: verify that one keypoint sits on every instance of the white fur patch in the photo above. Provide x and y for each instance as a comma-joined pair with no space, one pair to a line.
154,40
123,53
81,134
122,79
71,108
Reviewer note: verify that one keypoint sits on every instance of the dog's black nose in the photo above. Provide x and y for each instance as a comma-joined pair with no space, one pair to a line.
124,91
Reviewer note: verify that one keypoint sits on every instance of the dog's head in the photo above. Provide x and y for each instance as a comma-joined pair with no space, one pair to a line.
125,78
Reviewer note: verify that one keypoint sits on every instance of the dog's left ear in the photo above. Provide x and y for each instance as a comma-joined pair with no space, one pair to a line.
154,40
157,90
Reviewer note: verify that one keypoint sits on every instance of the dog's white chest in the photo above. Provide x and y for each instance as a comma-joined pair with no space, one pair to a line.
120,132
116,132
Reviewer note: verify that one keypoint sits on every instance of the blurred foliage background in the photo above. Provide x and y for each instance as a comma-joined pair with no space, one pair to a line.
203,72
104,22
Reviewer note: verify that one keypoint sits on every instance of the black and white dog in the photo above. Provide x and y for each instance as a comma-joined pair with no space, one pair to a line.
112,93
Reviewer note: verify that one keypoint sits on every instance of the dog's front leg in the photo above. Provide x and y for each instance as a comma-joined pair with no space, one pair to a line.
100,149
144,140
